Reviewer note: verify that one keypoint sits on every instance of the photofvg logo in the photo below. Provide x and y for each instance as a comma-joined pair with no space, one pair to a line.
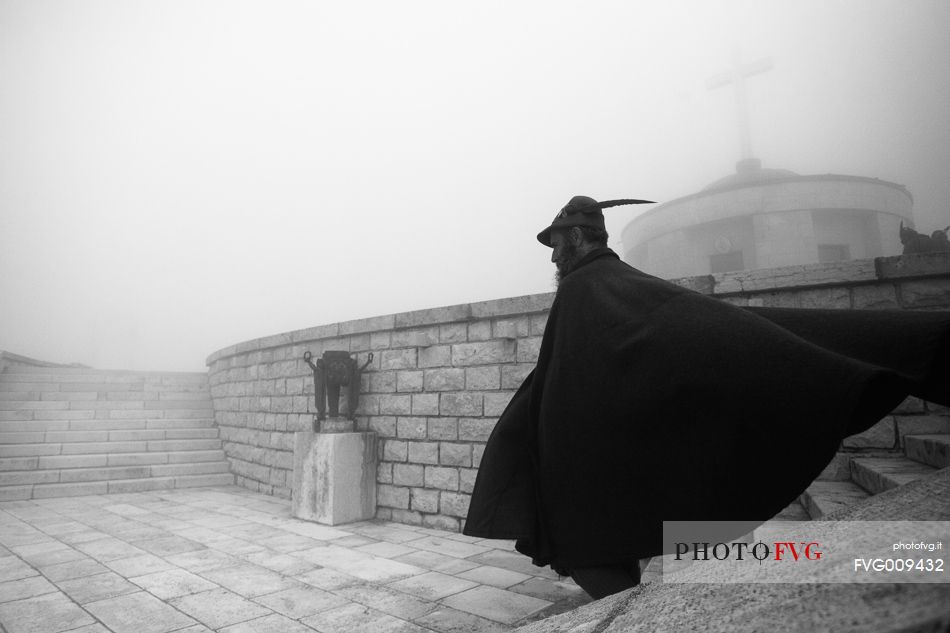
760,551
806,552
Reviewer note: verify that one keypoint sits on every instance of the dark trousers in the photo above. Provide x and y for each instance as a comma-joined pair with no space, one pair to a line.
600,582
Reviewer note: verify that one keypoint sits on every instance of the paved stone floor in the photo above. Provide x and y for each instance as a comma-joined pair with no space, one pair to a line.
229,560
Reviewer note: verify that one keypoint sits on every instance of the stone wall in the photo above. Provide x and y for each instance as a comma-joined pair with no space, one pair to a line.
439,378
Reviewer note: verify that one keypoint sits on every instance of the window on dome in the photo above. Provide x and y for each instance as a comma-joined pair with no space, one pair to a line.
833,253
726,262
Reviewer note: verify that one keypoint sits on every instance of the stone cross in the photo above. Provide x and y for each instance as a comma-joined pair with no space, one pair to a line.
737,76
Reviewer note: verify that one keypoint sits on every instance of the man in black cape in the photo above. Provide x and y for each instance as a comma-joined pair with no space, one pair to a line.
653,403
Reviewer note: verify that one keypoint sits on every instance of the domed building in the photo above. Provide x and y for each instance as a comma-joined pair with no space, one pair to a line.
764,218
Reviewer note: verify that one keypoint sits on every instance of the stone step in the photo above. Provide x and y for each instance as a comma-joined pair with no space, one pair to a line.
39,447
877,474
107,405
56,462
109,413
77,475
921,425
822,498
73,489
933,450
794,511
198,396
64,375
56,436
26,426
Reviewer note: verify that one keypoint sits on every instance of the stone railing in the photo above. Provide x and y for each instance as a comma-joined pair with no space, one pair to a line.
440,378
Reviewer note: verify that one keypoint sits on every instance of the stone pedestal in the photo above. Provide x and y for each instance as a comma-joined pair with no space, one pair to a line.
334,477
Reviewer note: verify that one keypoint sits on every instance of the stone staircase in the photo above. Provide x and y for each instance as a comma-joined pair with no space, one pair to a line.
69,431
862,473
889,455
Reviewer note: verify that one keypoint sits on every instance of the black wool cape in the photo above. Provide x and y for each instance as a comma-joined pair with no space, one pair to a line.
651,402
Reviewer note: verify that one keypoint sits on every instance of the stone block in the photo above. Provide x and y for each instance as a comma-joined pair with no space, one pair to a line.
913,265
163,483
368,404
443,429
442,478
411,428
395,451
398,359
408,475
451,454
371,324
430,316
444,524
425,404
479,331
25,477
316,333
513,305
383,425
477,451
513,375
874,297
380,340
21,463
395,404
393,496
15,493
467,478
418,337
454,505
537,324
511,328
425,500
921,425
384,472
495,403
42,491
482,378
476,429
453,333
838,469
881,435
492,352
528,349
929,293
461,404
409,517
835,297
702,284
409,380
444,379
382,382
435,356
334,477
424,452
910,404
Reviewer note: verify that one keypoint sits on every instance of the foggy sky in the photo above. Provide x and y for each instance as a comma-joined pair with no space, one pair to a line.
176,177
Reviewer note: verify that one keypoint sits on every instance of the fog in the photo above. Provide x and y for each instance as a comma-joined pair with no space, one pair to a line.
176,177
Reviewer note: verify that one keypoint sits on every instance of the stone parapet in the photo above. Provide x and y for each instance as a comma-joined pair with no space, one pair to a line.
440,377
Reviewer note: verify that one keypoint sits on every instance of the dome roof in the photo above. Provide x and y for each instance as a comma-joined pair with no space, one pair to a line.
749,172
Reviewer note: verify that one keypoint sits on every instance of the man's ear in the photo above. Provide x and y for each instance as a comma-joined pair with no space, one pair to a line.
576,236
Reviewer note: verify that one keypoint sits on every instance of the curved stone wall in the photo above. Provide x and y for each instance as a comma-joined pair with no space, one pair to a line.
440,378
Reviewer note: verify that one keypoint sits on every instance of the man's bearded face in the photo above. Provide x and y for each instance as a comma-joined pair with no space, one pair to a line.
563,254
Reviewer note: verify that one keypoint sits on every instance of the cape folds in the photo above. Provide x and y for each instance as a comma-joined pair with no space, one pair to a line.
650,402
